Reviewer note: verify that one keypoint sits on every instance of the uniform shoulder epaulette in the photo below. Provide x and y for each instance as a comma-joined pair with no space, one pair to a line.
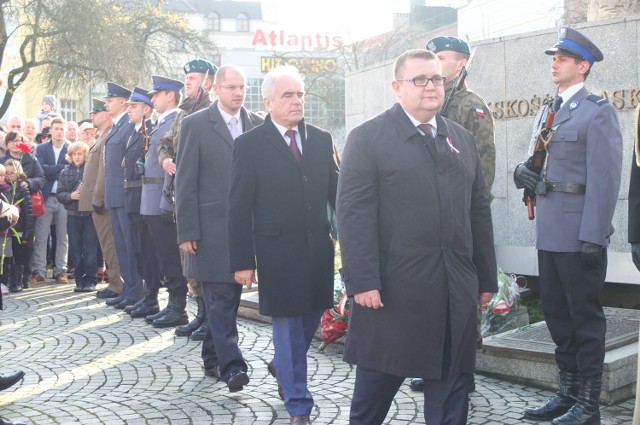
597,99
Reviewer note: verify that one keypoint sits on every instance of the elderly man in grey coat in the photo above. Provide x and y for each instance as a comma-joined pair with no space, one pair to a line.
417,249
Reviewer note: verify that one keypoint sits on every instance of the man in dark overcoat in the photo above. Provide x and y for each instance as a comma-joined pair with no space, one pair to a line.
417,249
202,189
283,176
576,195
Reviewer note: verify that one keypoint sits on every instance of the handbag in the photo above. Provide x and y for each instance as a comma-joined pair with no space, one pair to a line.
37,203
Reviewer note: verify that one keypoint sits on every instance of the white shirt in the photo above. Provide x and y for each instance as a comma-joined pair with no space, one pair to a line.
56,154
164,115
568,93
283,130
433,122
234,128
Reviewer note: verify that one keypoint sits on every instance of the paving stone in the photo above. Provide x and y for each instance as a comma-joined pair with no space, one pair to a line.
92,365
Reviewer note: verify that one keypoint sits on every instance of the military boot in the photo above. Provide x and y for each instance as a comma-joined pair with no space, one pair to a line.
198,334
16,277
560,403
11,380
14,285
587,410
147,307
176,315
197,321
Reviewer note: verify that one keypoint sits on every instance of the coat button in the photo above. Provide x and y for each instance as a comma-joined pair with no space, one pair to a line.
305,178
308,206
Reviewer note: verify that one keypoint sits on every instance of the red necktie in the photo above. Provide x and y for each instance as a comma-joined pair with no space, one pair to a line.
293,145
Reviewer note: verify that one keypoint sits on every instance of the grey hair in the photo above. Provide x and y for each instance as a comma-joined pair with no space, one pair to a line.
269,82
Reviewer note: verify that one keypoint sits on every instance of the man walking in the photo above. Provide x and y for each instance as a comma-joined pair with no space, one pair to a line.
417,249
202,188
283,176
576,195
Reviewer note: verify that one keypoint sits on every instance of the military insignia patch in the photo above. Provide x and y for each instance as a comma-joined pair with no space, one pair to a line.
562,33
431,46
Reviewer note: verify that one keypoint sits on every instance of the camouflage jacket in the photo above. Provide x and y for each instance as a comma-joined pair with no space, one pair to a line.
169,141
472,112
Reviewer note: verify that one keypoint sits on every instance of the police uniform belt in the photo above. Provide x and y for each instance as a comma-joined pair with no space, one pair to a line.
565,187
152,180
132,183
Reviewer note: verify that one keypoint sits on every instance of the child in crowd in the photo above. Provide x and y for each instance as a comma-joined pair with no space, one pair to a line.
83,240
48,110
22,237
5,237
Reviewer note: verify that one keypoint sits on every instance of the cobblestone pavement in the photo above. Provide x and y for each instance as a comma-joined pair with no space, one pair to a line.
91,364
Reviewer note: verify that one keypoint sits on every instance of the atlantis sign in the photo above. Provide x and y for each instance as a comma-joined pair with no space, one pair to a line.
296,41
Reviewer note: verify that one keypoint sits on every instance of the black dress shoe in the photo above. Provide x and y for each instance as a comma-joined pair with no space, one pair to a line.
130,308
171,319
198,334
149,319
114,301
122,304
237,380
106,293
11,380
417,384
145,310
272,371
212,372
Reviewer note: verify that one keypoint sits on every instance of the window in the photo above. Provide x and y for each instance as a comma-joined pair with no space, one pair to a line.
213,22
68,109
242,23
215,57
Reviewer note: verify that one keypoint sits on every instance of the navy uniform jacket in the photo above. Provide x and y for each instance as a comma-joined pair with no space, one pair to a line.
152,192
113,153
586,149
133,179
51,167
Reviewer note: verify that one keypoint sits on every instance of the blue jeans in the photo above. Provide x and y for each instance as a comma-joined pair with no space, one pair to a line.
83,248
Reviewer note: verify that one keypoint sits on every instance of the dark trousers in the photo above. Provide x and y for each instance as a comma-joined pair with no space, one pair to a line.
292,338
220,346
123,238
446,401
83,242
570,297
163,240
146,255
21,252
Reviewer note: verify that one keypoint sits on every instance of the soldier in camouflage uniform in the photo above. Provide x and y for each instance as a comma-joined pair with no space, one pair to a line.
198,82
470,111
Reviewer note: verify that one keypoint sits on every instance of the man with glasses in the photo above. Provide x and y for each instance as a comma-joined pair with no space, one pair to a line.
417,249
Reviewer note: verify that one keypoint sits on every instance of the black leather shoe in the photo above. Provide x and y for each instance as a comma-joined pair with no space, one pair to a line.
11,380
171,319
237,380
149,319
198,334
106,293
212,372
272,371
122,304
417,384
114,301
145,310
130,308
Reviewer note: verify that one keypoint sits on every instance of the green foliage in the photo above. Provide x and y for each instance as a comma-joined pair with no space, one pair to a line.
534,308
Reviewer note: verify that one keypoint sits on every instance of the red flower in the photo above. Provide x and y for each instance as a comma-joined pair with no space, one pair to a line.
25,148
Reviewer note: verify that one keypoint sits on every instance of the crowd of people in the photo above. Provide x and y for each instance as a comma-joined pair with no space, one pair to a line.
208,197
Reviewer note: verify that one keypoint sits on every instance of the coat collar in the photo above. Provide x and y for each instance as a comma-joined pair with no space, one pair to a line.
221,127
275,138
405,128
567,109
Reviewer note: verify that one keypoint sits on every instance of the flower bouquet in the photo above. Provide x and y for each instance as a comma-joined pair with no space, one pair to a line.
335,320
497,314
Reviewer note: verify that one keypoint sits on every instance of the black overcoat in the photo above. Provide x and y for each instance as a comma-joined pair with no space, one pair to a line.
419,230
278,217
202,191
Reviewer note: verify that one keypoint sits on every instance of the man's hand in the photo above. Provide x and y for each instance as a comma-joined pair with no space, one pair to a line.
591,255
169,166
189,247
526,177
635,254
245,277
98,209
484,298
370,299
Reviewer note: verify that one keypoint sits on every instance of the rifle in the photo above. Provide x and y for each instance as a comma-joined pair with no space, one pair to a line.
169,191
458,83
145,150
536,162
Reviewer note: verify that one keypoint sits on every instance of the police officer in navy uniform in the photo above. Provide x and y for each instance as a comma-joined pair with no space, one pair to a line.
159,233
576,195
114,195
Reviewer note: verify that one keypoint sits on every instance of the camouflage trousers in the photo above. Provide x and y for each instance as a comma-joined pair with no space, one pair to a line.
195,286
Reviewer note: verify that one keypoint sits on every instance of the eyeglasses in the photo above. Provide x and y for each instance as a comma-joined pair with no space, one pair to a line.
234,88
436,80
